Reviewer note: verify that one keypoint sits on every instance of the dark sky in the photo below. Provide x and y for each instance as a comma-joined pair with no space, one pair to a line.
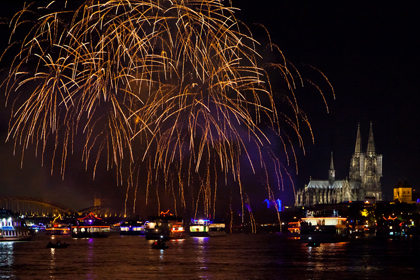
370,53
368,50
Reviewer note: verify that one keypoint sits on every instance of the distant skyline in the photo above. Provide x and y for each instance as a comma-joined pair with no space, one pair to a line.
370,54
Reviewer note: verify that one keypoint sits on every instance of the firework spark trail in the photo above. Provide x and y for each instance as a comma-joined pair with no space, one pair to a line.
152,82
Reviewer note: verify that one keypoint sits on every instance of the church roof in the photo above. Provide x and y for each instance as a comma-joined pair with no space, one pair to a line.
325,184
402,184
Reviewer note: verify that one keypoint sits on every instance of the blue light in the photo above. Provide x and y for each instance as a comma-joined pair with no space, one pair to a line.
279,204
200,221
268,203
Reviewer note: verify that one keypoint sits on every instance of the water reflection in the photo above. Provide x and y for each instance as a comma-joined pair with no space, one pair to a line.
52,256
6,259
202,257
201,240
230,257
52,260
327,257
90,249
90,259
178,240
161,255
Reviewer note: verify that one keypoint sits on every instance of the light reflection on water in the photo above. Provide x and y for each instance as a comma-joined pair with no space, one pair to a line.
6,259
201,253
52,260
257,256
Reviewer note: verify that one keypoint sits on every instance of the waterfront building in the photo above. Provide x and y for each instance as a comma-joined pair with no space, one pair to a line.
363,182
403,192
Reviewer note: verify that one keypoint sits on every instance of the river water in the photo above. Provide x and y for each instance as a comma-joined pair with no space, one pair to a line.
236,256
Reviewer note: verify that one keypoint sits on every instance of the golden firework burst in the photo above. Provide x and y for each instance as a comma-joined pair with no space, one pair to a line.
163,87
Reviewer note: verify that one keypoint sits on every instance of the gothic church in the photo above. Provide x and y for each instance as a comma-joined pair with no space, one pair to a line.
363,182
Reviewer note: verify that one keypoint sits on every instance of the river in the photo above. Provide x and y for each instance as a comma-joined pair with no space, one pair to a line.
236,256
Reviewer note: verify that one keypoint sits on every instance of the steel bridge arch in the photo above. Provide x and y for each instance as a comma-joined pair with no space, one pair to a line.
31,206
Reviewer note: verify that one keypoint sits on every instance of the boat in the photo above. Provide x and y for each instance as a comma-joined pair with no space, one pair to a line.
315,229
199,228
57,244
159,244
165,226
293,229
177,230
157,229
205,228
90,226
58,227
36,229
115,228
13,228
217,229
134,227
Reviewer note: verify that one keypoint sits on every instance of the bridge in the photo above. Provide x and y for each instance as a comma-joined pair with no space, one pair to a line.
30,206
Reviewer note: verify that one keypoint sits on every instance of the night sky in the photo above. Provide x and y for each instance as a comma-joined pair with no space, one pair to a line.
370,54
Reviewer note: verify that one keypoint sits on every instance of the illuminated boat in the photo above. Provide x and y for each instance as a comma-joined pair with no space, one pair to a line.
217,229
58,228
115,228
177,230
199,228
203,228
293,229
90,226
157,229
320,229
136,227
13,228
166,226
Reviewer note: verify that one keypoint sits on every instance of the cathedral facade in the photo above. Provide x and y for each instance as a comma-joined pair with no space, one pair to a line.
362,183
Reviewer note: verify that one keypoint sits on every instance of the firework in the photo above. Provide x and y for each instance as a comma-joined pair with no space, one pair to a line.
163,87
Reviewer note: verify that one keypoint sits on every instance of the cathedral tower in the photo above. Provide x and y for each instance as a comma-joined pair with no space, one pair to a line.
366,169
373,170
357,160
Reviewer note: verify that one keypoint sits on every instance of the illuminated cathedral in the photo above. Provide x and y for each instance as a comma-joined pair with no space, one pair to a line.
362,183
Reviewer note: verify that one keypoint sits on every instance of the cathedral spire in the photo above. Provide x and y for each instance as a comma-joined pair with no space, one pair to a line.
371,144
332,163
332,171
358,148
